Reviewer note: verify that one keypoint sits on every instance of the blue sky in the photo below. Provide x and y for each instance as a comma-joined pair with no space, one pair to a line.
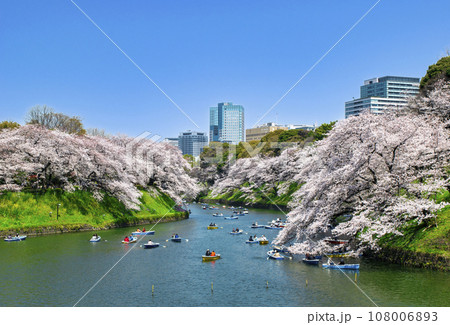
204,52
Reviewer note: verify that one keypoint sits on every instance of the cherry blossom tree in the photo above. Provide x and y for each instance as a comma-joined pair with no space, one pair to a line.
33,157
381,170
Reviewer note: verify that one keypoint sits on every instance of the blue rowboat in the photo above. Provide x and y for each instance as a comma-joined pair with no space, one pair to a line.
239,214
311,262
154,245
344,266
132,240
252,242
16,238
142,233
176,240
257,226
275,255
240,232
95,239
230,218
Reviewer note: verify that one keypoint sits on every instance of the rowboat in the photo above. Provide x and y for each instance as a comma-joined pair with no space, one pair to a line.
252,242
210,258
263,242
255,225
275,255
142,233
133,240
230,218
212,227
16,238
153,245
272,227
343,266
95,239
218,215
240,232
239,215
311,262
176,240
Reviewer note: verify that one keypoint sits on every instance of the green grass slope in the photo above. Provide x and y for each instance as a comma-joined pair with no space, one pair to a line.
31,212
425,245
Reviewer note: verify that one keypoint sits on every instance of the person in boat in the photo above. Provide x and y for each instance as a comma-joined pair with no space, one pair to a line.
176,236
276,254
143,230
250,239
263,237
233,230
213,253
341,262
237,229
130,238
208,253
255,224
9,237
150,242
126,239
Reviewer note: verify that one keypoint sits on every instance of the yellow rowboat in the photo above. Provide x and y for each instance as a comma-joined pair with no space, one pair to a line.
263,242
210,258
213,227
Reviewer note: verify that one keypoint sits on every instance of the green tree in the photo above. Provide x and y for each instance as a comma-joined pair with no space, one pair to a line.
9,125
190,159
322,131
441,69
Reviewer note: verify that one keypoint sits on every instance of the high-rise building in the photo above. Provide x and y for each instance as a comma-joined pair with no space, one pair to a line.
226,123
378,94
192,142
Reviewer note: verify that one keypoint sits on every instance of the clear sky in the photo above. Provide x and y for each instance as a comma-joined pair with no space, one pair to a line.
204,52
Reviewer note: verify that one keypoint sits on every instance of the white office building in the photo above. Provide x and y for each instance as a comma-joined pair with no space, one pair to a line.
378,94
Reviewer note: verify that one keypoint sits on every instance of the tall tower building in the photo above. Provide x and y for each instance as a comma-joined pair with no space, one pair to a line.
226,123
378,94
192,143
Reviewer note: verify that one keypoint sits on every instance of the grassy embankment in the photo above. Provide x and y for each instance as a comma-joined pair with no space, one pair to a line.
30,212
258,198
426,245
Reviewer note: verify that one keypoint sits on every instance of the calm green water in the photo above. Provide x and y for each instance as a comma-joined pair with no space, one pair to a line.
57,270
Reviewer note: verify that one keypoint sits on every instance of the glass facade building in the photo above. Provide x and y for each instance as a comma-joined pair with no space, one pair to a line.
226,123
378,94
192,143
